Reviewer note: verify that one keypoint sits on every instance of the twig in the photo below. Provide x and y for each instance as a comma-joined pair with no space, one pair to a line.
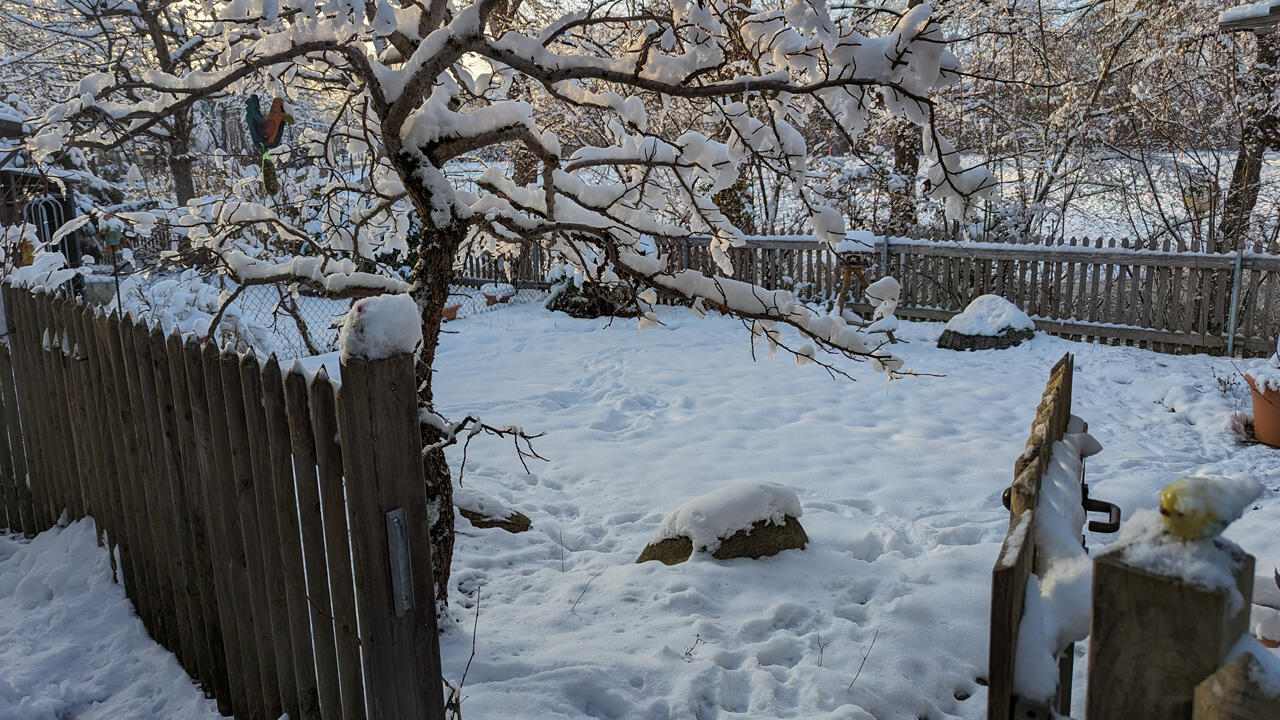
584,589
865,655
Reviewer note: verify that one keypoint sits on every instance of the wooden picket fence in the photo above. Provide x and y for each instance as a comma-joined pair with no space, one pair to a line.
1018,558
1153,297
223,485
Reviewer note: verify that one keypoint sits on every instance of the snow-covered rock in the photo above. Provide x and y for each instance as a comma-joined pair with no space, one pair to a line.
989,322
746,519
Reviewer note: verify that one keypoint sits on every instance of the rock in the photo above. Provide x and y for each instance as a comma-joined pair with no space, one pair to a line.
762,539
989,323
950,340
516,522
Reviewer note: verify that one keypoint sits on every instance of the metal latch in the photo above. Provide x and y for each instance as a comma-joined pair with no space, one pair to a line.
398,554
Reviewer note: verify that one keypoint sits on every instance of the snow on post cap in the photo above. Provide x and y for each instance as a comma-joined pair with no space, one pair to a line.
987,315
708,519
381,327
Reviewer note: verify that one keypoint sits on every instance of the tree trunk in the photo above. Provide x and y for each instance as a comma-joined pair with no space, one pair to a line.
180,160
431,277
906,165
1257,134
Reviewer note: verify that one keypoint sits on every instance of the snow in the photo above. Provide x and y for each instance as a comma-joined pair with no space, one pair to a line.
1266,372
899,484
710,518
381,327
989,315
70,644
1205,562
1250,11
1268,674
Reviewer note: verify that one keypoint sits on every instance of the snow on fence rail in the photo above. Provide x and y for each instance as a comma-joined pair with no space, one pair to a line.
218,482
1153,297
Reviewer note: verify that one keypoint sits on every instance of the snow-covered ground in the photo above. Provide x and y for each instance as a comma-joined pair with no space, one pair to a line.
899,483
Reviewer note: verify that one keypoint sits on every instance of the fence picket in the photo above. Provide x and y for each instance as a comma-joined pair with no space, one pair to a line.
303,445
286,508
329,465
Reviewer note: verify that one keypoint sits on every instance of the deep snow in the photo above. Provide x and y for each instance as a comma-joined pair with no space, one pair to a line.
900,488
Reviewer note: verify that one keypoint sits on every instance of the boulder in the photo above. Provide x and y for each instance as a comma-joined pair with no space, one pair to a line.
746,520
989,323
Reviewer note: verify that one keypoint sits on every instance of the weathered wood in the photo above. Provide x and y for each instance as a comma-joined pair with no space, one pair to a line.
10,512
1233,693
101,478
132,459
382,460
329,465
272,573
1154,637
195,520
286,508
159,499
245,499
173,496
1008,591
209,419
303,445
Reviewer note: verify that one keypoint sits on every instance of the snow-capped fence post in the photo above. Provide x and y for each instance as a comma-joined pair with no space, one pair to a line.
1156,633
386,497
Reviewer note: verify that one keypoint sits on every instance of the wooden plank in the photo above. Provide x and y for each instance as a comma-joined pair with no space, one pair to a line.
303,444
149,463
49,442
195,520
208,423
382,460
1008,592
159,499
131,458
10,445
100,478
174,509
67,412
18,432
286,508
1234,692
1134,672
329,468
273,571
245,497
123,534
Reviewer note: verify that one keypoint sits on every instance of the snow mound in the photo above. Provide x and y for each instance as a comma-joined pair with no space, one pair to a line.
1267,671
989,315
708,519
1266,373
381,327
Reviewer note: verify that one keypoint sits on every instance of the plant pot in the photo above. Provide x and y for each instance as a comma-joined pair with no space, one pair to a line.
495,299
1266,413
450,312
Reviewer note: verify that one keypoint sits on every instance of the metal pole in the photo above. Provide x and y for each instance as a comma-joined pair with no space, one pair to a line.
1235,303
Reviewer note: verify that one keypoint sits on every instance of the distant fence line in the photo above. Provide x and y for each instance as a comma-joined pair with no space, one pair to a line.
224,486
1085,289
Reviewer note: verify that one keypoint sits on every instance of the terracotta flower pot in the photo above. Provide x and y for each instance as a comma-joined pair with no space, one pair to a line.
1266,413
450,312
495,299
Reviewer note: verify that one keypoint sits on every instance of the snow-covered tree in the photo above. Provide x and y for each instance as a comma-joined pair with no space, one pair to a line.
680,96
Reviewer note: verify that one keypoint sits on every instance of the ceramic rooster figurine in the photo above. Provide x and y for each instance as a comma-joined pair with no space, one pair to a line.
266,132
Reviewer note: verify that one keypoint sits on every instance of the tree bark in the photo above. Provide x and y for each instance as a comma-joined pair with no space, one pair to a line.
180,160
1257,134
431,278
907,146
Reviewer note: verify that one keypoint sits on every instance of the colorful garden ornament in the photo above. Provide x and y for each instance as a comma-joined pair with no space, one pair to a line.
266,132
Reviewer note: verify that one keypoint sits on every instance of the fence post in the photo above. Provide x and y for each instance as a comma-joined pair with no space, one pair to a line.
391,547
1235,303
1155,634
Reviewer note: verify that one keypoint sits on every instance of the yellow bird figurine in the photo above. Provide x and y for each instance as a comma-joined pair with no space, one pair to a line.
1202,507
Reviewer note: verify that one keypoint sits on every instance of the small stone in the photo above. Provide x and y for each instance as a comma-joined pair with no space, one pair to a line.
762,539
516,522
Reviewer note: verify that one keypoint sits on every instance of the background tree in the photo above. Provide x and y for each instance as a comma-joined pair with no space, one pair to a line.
408,86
